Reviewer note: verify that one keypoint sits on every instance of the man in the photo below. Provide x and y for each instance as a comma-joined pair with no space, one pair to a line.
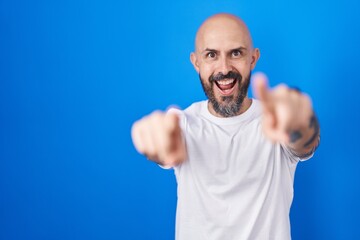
234,157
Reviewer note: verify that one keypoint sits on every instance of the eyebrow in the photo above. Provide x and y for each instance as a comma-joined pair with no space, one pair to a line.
209,50
239,48
214,50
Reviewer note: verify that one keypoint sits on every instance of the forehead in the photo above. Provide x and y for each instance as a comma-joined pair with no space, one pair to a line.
223,34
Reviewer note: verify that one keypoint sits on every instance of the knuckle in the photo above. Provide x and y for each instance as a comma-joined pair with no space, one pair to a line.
156,114
281,90
307,99
156,117
294,93
150,152
136,132
144,121
283,87
135,128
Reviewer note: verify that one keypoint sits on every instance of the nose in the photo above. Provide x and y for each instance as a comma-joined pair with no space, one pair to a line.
224,66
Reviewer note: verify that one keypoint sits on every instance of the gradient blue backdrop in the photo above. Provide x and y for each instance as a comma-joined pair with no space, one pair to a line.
74,76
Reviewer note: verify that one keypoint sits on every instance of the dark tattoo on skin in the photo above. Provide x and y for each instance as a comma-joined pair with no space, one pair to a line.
316,135
294,136
313,124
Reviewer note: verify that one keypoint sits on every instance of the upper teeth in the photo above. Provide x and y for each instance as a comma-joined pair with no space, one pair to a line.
226,81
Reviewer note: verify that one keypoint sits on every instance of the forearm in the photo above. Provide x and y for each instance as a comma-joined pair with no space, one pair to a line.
304,141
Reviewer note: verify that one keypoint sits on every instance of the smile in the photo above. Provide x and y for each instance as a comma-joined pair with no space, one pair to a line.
226,86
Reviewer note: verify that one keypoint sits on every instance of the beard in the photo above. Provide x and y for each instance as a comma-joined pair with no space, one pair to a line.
228,106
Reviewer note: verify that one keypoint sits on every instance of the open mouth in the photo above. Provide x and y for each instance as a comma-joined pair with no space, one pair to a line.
226,86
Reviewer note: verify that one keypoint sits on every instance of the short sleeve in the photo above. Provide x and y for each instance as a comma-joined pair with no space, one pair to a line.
293,157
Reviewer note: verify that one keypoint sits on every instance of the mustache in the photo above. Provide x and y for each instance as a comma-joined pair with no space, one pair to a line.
221,76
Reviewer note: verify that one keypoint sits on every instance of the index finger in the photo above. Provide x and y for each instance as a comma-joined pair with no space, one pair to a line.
260,86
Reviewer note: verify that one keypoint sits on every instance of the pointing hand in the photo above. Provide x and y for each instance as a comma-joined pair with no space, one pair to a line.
287,113
158,136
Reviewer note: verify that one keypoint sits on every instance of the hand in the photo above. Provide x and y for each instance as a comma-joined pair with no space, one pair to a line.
287,113
158,137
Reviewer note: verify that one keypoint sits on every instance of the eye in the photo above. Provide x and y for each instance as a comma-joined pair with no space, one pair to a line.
236,53
211,55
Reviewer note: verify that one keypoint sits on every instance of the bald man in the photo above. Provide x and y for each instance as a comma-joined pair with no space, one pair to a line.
234,157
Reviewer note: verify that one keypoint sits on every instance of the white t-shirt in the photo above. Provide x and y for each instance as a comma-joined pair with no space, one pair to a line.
235,184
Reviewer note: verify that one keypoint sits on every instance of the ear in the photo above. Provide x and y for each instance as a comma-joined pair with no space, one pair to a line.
254,58
194,61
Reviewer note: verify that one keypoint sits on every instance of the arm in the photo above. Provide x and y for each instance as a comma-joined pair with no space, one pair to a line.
158,136
288,117
303,142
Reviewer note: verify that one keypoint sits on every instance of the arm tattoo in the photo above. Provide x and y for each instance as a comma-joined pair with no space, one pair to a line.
313,124
294,136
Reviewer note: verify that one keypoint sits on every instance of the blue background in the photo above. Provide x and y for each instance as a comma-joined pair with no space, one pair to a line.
75,75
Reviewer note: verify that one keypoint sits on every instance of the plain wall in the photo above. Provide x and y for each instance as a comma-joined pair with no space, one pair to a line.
75,75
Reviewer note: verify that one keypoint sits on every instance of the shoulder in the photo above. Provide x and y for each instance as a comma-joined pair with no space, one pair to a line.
195,108
190,113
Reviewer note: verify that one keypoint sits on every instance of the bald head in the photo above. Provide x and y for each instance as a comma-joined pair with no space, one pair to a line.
224,51
221,27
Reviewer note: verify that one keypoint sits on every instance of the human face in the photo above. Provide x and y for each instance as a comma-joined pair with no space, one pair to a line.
224,58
